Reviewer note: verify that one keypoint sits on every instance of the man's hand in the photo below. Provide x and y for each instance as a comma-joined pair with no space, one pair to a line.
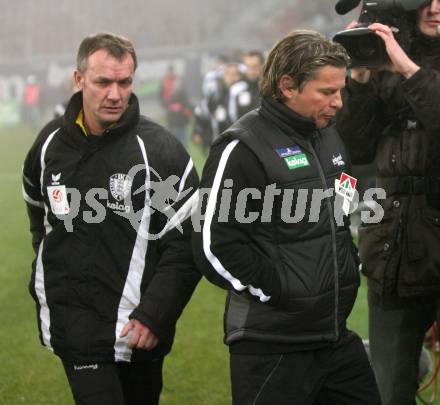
400,62
141,336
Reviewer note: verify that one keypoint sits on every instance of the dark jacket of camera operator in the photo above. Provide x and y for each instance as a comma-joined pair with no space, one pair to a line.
395,118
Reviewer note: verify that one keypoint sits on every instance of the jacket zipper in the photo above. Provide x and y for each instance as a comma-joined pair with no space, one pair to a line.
333,233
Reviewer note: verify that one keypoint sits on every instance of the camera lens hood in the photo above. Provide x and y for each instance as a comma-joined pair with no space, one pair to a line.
366,49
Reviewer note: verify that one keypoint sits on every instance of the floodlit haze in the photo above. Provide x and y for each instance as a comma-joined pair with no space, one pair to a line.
39,39
53,28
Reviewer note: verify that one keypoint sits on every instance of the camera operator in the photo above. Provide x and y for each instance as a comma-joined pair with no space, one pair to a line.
393,114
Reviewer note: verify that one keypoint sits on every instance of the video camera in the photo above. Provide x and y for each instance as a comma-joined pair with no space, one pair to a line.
365,48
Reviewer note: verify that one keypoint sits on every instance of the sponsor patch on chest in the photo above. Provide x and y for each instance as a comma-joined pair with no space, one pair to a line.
345,186
296,161
58,199
289,151
120,185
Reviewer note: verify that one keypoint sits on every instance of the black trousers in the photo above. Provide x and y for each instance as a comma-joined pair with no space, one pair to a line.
397,328
115,383
336,375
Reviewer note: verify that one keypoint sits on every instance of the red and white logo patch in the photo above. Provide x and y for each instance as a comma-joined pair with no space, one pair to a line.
58,200
346,186
57,195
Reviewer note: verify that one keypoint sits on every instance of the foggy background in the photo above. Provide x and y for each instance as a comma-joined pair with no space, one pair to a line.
39,38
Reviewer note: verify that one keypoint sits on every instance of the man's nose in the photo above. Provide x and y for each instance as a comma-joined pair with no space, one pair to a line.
434,7
114,92
337,101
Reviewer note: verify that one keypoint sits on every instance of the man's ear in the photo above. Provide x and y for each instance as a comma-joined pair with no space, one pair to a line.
286,87
79,79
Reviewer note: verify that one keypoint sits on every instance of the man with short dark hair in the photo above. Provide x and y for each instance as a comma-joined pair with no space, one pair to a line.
113,269
291,279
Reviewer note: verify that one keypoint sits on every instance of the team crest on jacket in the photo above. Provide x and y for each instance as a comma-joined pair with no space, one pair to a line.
120,185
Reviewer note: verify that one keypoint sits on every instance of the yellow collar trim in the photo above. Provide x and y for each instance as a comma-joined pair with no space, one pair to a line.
80,122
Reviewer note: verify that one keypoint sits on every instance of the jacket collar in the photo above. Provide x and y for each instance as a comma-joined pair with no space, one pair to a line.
286,119
128,120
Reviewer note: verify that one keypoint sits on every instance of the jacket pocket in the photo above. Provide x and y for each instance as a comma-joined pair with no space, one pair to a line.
422,266
31,285
423,234
432,216
374,245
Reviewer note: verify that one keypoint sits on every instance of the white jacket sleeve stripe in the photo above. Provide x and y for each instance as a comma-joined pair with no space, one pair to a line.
40,289
30,201
188,169
210,210
131,294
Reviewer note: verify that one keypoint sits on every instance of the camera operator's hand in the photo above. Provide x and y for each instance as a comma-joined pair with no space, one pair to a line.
400,62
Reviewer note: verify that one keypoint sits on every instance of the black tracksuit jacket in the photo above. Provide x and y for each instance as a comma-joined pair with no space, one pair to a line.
244,97
291,281
98,269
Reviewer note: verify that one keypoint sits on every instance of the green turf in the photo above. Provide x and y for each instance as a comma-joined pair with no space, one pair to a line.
196,372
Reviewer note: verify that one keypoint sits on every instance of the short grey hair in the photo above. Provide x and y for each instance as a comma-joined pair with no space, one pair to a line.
299,55
115,45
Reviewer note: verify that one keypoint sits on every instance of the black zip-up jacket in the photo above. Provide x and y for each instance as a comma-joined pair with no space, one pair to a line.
292,278
217,103
244,97
101,257
397,121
